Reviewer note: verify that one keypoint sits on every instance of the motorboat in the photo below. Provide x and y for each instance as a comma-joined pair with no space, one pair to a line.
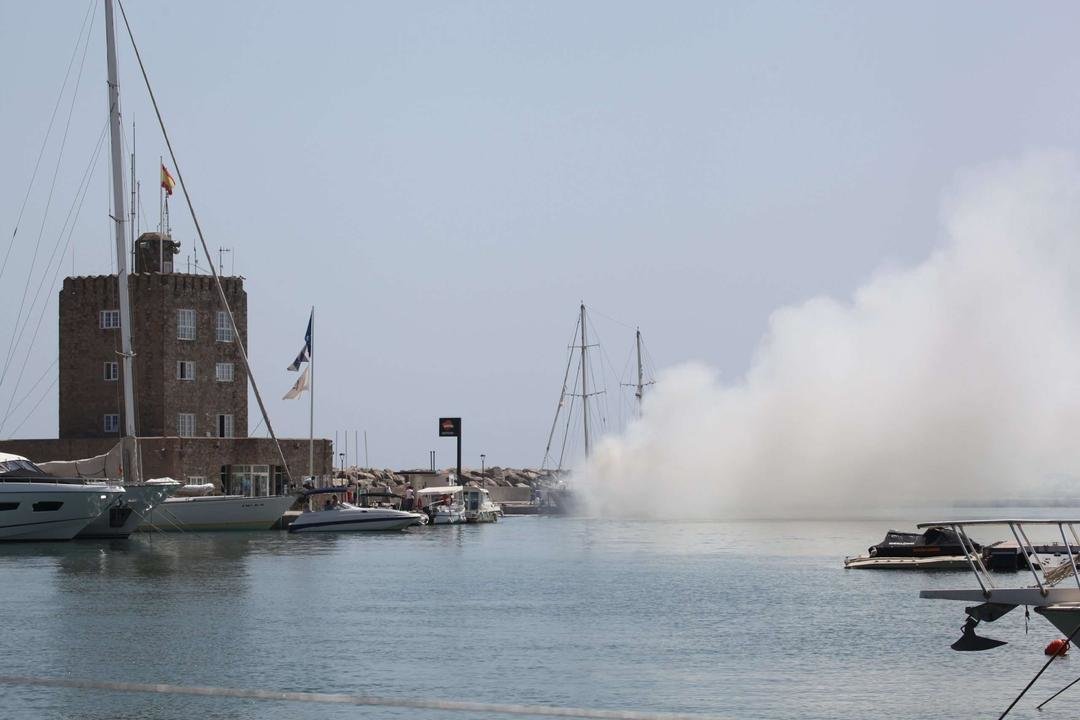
479,507
36,507
936,548
442,505
128,512
1054,593
217,512
335,516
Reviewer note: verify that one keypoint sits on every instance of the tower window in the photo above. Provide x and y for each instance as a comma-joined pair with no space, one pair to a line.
223,331
110,319
225,426
223,372
185,425
185,369
112,371
185,324
112,423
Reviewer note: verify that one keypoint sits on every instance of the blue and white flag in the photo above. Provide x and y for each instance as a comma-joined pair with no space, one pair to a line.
305,353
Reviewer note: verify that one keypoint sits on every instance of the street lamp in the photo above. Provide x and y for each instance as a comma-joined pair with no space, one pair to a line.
342,456
483,479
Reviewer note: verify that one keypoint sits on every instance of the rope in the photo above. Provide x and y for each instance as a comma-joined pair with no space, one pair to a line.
346,699
202,241
16,337
48,131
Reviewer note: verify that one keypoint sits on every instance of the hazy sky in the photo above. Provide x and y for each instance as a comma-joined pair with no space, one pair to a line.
445,181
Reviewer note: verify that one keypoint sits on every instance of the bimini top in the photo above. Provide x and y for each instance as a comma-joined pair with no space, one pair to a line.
447,490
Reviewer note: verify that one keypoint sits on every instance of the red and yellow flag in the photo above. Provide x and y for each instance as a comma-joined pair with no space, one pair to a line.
167,181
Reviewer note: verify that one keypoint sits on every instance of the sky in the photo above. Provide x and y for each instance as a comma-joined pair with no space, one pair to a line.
445,182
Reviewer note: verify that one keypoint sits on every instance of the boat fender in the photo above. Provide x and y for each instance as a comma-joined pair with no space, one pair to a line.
1057,646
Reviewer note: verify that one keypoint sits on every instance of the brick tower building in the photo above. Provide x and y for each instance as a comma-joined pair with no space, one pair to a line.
191,390
189,377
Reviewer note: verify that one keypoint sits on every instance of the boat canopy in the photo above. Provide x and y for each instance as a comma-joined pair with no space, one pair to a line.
445,490
107,465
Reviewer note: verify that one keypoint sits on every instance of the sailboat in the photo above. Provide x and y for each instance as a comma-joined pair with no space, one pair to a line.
560,500
211,512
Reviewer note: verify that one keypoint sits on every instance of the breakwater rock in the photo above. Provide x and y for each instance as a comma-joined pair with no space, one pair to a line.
492,477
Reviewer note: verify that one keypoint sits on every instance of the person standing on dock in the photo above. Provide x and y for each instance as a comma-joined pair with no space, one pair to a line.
410,498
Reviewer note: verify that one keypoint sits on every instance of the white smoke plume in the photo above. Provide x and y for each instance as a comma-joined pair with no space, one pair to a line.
956,379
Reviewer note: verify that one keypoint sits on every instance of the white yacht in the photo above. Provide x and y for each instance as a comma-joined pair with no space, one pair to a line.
124,516
218,512
36,507
346,517
443,505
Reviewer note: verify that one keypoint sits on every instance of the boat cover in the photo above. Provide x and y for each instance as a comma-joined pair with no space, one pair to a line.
933,541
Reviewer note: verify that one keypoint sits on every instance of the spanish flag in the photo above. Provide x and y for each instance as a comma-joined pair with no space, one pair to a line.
167,181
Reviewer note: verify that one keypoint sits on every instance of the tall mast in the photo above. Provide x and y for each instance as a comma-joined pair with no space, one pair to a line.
119,218
640,386
584,383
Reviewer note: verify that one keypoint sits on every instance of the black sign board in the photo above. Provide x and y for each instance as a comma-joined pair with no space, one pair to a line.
449,427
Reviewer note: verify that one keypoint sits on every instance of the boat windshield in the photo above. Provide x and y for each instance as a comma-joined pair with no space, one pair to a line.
19,468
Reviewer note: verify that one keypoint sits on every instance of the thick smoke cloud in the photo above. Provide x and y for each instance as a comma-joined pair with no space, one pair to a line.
956,379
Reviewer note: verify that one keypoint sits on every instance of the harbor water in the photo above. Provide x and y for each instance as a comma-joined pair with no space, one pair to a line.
741,620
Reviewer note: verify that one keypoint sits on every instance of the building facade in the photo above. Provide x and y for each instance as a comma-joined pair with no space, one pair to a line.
191,389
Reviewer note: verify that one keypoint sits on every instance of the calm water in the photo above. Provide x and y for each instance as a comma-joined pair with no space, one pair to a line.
747,620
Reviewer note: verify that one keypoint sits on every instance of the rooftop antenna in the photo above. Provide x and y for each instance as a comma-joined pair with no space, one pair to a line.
221,257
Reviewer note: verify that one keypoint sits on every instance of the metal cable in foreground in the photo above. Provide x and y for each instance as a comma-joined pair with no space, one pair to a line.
345,699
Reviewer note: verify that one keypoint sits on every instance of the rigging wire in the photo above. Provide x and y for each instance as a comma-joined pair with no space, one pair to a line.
92,6
48,204
73,215
33,387
202,241
45,394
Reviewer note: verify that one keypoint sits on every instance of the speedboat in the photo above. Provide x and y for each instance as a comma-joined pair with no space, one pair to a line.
346,517
35,507
936,548
442,505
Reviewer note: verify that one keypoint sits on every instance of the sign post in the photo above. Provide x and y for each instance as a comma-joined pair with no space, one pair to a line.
451,427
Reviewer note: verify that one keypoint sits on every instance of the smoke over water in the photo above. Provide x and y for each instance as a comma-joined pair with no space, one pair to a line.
956,379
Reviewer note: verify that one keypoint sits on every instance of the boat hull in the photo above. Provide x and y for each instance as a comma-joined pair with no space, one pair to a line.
1064,616
358,520
79,506
942,562
217,512
126,513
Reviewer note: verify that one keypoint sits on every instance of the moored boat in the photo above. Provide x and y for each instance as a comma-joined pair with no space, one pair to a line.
36,507
442,505
217,512
345,517
936,548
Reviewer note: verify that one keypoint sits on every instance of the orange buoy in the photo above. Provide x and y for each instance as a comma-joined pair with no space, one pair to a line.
1057,647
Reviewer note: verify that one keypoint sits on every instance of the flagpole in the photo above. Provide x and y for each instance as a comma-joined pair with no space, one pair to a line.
311,400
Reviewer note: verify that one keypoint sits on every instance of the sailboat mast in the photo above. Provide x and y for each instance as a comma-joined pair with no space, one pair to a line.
119,218
640,379
584,383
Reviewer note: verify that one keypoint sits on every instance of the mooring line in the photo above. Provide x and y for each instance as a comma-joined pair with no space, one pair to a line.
347,699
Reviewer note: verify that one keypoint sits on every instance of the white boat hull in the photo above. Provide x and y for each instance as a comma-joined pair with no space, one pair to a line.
217,512
127,512
448,517
354,519
79,506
